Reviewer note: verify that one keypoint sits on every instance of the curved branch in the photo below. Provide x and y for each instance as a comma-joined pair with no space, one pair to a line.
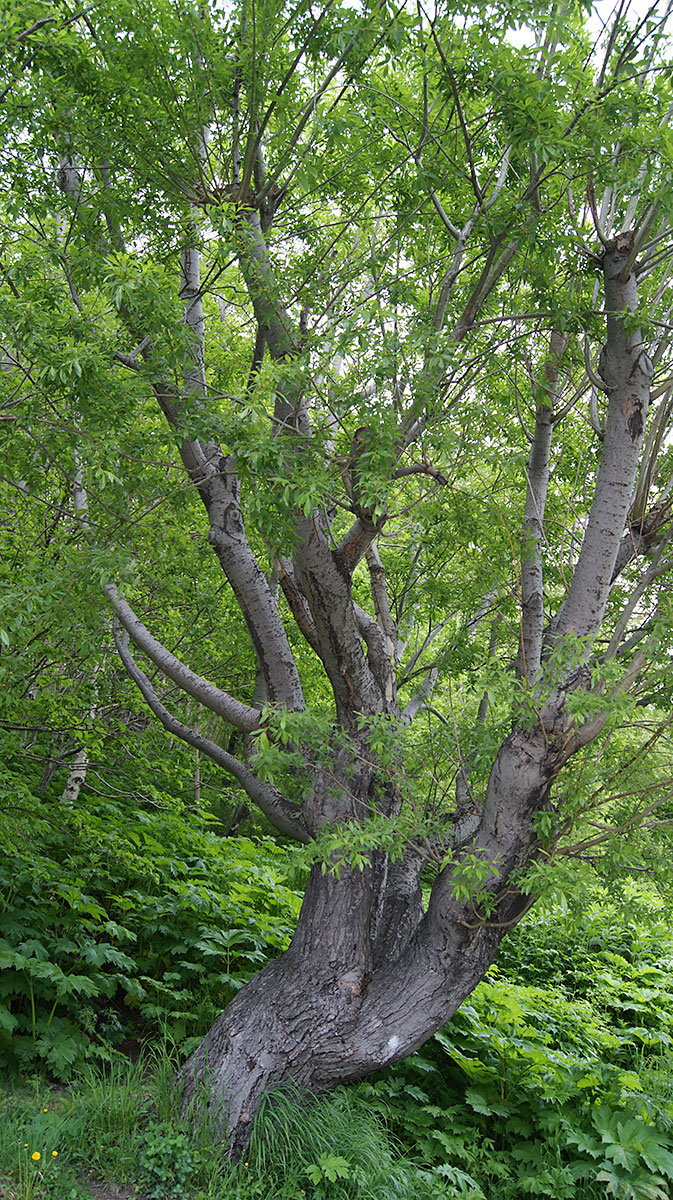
594,377
241,716
380,651
280,811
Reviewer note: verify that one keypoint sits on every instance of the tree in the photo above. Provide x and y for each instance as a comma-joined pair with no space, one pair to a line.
390,285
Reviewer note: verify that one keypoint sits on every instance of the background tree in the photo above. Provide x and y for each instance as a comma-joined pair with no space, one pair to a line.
373,304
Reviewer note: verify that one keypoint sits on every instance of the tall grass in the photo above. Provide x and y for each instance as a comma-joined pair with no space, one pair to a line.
120,1122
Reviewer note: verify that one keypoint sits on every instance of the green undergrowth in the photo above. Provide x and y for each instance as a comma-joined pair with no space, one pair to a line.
121,922
117,1126
525,1093
529,1091
555,1080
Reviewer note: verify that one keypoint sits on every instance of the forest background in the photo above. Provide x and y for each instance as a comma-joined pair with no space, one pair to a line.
344,275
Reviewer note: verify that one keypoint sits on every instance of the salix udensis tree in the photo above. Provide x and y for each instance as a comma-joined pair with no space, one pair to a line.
398,289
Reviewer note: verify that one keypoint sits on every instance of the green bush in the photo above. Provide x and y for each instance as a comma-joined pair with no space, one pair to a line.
524,1093
166,1164
123,922
622,964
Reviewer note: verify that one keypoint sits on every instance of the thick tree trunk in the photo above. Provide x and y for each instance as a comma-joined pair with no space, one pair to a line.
368,976
316,1021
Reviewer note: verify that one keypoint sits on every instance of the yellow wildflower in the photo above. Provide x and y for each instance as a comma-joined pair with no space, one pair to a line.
54,1154
36,1156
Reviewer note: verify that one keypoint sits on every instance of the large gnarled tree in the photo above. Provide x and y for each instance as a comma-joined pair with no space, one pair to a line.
395,281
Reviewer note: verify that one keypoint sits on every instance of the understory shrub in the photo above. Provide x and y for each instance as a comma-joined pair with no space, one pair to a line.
551,1091
119,923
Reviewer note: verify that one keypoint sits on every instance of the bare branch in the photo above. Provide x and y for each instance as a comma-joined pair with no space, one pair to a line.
418,701
423,468
655,571
357,541
241,716
627,373
642,535
298,606
537,483
418,654
495,267
282,813
377,577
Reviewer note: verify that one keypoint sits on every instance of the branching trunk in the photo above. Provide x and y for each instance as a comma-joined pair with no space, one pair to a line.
368,977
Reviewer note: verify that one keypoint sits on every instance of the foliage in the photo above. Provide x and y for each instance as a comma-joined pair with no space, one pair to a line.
551,1088
330,1146
118,922
119,102
95,1129
617,956
166,1165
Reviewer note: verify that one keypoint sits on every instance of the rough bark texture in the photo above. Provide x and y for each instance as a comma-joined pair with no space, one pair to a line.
368,976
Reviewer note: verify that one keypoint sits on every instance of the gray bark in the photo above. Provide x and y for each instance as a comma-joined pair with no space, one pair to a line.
537,483
282,813
328,594
241,716
368,977
626,372
220,492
